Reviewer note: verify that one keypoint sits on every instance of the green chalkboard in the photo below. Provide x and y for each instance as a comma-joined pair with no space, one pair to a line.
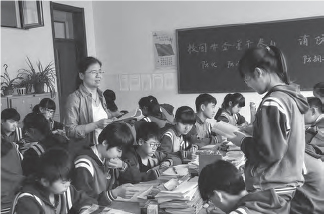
208,56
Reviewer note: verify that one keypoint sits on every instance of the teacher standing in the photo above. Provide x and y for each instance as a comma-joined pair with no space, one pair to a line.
86,113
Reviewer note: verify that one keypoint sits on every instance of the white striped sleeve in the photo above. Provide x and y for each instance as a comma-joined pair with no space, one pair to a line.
83,162
168,134
239,210
275,102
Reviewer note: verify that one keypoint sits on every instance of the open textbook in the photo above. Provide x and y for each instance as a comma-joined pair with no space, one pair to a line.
134,114
226,129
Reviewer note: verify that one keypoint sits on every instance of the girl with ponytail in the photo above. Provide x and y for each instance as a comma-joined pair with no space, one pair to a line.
275,152
229,112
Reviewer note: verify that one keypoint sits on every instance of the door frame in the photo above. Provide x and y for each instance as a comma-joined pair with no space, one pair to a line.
79,31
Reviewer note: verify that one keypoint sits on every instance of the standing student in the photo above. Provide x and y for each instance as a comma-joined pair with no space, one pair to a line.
97,168
49,189
174,140
201,134
275,152
85,111
9,125
231,106
145,163
47,107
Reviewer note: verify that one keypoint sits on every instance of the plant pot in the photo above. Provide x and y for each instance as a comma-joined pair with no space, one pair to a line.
39,88
21,91
8,92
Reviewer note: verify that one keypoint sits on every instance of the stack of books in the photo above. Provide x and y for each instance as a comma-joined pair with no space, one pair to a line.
185,198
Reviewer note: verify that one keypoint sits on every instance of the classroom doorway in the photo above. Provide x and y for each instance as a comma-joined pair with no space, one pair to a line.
70,46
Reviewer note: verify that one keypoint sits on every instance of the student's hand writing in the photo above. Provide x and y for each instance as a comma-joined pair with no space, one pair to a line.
237,140
115,163
165,164
101,124
121,191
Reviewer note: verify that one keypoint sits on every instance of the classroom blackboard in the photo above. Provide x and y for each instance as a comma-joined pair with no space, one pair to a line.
208,56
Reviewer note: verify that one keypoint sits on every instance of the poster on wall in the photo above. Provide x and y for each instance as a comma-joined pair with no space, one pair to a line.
134,82
157,82
146,82
169,81
123,82
164,49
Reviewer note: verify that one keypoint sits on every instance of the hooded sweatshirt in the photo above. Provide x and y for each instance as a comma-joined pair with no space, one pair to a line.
275,153
34,199
93,176
309,199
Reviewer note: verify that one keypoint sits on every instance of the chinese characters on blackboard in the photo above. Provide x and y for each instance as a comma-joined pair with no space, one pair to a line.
308,41
204,48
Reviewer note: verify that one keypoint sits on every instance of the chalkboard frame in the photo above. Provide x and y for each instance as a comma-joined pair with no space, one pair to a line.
180,91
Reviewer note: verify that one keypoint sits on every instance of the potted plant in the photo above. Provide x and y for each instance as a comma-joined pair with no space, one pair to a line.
8,85
45,75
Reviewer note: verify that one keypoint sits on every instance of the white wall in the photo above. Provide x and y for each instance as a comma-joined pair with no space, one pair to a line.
123,32
37,43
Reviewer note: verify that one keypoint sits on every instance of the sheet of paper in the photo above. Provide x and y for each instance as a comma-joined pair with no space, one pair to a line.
225,129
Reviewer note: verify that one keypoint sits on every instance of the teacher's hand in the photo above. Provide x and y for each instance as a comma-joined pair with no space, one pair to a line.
237,140
101,124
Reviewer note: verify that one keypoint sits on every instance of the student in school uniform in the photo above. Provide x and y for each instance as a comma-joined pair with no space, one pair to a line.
9,125
314,118
49,189
318,91
97,168
145,163
231,106
275,152
174,140
222,185
32,155
309,198
154,112
201,134
35,129
11,173
47,107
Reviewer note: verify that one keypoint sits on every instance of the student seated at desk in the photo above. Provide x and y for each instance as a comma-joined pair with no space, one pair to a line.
201,134
145,163
11,174
35,129
9,126
318,91
49,189
154,112
174,140
98,167
231,106
32,155
222,184
309,198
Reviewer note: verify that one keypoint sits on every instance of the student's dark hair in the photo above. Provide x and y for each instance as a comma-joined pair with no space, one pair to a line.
319,89
84,65
185,115
117,134
148,130
269,58
37,121
204,99
110,98
45,103
10,114
222,176
315,102
152,105
236,99
53,165
55,141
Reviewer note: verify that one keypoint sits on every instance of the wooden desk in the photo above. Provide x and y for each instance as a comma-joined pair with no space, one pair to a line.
133,207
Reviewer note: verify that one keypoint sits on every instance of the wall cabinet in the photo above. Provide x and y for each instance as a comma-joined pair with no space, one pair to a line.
24,104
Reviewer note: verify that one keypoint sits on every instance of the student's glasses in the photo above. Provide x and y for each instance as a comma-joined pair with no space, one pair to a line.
152,145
